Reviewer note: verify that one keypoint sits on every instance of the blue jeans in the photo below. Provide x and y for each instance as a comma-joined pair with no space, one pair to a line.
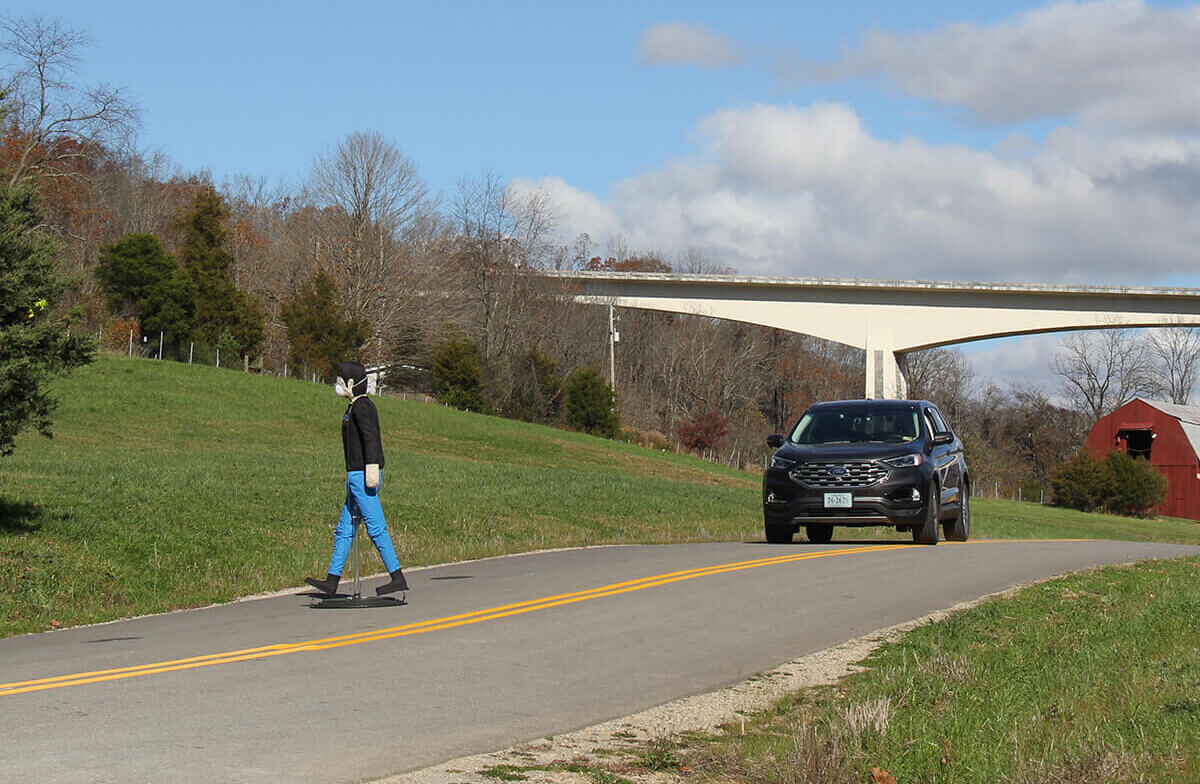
363,502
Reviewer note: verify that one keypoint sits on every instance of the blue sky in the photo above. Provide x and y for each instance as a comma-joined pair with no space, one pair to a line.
1029,142
525,89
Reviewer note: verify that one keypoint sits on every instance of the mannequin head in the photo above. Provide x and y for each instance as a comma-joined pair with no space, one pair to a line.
351,380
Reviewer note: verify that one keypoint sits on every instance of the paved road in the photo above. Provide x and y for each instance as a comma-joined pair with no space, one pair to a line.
487,654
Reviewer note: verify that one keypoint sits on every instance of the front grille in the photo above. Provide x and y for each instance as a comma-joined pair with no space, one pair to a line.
861,474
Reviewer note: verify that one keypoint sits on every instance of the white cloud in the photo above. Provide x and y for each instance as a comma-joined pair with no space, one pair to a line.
1113,63
680,43
808,191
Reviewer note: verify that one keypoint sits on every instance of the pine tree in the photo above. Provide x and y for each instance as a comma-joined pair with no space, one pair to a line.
537,389
592,404
140,279
34,347
220,304
320,336
458,374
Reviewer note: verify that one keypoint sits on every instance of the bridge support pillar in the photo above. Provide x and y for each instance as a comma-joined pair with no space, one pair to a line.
885,374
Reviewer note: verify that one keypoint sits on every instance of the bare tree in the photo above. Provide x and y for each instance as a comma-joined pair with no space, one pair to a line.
1176,355
1102,370
56,122
940,375
368,197
501,232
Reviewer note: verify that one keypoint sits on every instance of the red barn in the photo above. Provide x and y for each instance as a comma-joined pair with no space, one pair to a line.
1168,436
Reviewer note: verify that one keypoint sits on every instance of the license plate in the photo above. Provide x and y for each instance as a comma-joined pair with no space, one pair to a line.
839,500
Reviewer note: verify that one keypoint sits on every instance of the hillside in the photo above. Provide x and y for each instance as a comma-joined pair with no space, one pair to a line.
173,485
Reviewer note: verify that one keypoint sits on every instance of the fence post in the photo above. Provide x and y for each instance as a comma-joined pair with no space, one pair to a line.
160,336
191,345
245,363
131,342
218,356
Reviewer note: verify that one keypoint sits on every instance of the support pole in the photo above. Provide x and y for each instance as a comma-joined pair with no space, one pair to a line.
884,374
357,600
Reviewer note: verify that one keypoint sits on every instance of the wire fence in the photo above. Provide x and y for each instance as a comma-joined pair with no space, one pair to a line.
130,343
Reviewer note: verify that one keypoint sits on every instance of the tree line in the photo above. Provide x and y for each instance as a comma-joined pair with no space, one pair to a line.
361,260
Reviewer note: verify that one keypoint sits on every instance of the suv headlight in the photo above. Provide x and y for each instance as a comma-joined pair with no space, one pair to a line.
780,462
905,461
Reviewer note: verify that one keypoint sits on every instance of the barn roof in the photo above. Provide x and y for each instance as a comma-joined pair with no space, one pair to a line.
1188,416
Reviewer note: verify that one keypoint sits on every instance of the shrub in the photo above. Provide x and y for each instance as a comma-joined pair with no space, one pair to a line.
1079,483
705,432
1136,486
458,374
1119,484
591,404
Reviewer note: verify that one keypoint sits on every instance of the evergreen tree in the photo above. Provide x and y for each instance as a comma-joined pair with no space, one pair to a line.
1136,488
34,347
129,268
1081,482
220,304
458,374
140,279
537,389
592,404
320,336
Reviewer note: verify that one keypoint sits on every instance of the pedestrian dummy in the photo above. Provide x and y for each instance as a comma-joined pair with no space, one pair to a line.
364,471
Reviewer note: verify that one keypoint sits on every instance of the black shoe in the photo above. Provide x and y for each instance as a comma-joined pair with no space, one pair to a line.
398,583
328,586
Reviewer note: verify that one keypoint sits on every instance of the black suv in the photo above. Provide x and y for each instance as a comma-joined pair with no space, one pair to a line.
868,462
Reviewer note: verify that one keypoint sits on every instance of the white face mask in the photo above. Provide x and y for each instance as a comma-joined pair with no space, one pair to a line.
343,388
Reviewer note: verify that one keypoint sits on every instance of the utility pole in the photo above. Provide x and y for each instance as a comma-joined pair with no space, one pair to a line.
614,337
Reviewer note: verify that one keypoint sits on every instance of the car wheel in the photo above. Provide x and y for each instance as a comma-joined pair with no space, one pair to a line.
819,534
958,529
927,532
778,534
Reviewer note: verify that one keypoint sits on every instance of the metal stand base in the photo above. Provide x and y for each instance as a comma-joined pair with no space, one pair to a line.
353,602
357,600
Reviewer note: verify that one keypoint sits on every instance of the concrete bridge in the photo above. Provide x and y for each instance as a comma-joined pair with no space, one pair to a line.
889,318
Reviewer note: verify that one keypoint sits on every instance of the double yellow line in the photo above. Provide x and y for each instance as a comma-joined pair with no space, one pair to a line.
421,627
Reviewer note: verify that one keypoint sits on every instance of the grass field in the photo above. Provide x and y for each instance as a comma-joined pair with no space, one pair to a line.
171,486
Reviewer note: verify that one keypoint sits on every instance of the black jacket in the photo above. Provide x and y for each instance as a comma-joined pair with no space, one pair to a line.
360,435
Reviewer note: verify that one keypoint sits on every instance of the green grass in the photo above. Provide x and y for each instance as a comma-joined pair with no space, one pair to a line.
1091,678
170,486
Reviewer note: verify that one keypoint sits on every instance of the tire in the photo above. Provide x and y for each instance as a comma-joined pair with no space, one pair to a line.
819,534
958,529
927,531
779,534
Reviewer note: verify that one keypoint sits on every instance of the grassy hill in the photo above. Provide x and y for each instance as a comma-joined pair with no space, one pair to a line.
170,485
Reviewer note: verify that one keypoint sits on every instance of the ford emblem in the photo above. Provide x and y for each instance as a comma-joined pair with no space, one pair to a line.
837,471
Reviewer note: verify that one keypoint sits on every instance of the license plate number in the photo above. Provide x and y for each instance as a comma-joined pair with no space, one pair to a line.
839,500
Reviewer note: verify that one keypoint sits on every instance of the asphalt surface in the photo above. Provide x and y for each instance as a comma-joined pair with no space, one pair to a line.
272,690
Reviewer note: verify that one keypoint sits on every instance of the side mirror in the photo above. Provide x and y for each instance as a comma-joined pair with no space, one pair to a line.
943,438
775,440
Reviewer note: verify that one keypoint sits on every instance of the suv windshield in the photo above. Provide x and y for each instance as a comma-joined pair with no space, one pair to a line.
849,426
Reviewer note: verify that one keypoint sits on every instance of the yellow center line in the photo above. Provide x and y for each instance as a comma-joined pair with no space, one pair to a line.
422,627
